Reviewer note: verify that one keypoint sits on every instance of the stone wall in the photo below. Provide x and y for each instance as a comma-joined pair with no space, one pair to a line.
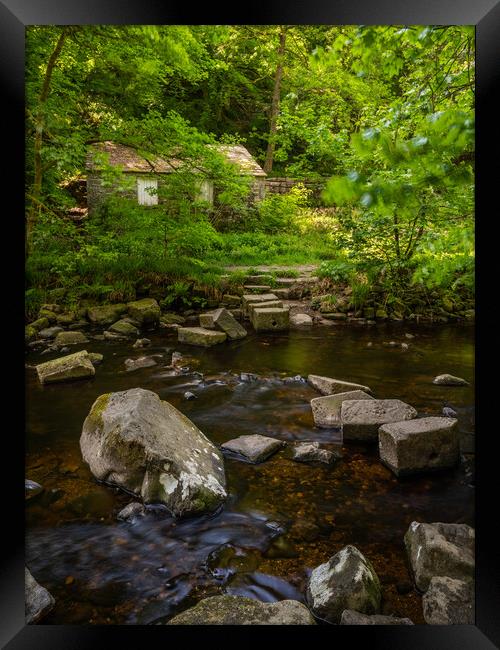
284,185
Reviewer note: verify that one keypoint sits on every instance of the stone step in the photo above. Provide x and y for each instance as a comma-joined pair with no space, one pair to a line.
259,297
200,336
268,304
271,319
256,288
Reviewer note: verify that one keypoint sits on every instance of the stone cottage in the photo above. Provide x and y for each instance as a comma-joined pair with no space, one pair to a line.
144,176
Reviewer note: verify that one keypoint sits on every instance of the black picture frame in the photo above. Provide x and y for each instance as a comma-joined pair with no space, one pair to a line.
485,15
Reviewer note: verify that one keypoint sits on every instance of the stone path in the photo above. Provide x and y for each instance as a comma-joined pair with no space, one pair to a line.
303,269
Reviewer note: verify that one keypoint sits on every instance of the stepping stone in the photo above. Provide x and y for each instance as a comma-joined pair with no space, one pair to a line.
255,279
361,419
224,321
248,298
284,294
326,410
254,448
419,445
270,319
200,336
67,368
255,288
330,386
310,452
207,321
70,338
264,305
286,282
449,380
350,617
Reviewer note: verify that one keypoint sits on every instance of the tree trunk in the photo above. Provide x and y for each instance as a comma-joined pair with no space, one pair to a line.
39,130
275,104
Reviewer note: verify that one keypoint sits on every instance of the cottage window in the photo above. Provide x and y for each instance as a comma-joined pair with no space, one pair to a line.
147,191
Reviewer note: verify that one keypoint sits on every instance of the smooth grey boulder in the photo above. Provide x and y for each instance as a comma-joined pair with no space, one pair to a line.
67,368
270,319
141,362
440,550
326,410
310,452
70,338
124,328
449,380
419,445
239,610
106,314
200,336
146,311
254,448
135,441
225,322
361,419
300,320
350,617
346,581
50,332
330,386
449,601
38,601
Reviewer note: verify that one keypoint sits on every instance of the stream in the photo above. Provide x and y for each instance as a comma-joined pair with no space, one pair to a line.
281,518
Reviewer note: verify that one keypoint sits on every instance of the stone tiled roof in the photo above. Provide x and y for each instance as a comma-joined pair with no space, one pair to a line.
129,160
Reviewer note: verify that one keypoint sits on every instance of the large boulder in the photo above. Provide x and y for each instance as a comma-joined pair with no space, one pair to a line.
449,380
224,321
300,320
419,445
326,410
361,419
330,386
350,617
346,581
70,338
239,610
105,314
135,441
67,368
270,319
200,336
50,332
449,601
38,601
440,550
146,311
255,448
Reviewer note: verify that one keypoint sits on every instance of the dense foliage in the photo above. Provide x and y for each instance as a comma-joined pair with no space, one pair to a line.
385,113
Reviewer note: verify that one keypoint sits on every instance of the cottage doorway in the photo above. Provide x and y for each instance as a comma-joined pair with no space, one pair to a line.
147,191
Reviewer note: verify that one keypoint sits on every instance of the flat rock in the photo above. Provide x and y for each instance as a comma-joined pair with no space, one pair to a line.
267,304
105,314
207,321
38,601
270,319
330,386
67,368
70,338
224,321
50,332
361,419
249,298
419,445
141,362
350,617
254,448
449,601
239,610
256,288
135,441
146,311
124,328
449,380
326,410
346,581
200,336
440,549
172,319
300,320
311,452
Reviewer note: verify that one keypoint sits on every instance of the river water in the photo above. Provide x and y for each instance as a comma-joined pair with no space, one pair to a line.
282,518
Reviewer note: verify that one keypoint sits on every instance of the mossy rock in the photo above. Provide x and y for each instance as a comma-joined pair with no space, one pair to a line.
49,315
30,333
39,324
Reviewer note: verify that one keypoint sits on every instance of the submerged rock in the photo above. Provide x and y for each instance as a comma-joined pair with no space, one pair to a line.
224,321
330,386
449,601
346,581
200,336
68,368
440,550
419,445
254,448
135,441
326,410
239,610
350,617
96,358
132,511
38,601
449,380
141,362
361,419
310,452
